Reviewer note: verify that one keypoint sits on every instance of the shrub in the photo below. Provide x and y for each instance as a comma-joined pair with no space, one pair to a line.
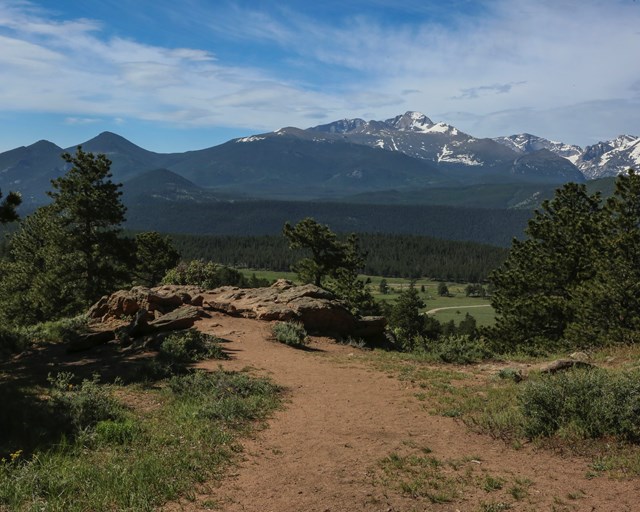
84,405
12,341
588,403
226,396
206,275
62,330
290,333
460,349
191,345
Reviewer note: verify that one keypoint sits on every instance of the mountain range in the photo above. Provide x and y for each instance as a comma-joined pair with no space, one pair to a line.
407,156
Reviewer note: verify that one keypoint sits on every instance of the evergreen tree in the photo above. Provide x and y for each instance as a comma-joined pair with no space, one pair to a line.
35,284
610,302
334,265
468,327
383,287
89,207
406,320
155,256
327,252
8,207
443,290
535,286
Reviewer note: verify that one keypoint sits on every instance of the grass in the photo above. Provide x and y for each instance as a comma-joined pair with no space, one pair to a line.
140,459
593,414
420,474
103,447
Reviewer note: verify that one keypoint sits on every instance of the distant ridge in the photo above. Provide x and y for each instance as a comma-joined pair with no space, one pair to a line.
349,157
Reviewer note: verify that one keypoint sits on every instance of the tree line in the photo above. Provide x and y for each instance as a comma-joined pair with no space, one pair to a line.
481,225
409,256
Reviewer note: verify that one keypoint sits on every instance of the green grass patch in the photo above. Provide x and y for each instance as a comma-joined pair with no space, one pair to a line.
121,457
422,476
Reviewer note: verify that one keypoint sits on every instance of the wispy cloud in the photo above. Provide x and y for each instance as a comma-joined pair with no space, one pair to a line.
530,60
82,120
482,90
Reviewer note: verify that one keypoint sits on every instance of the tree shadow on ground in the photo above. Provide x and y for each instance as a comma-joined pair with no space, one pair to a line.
28,421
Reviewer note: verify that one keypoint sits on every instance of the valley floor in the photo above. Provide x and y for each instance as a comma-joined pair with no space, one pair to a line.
355,438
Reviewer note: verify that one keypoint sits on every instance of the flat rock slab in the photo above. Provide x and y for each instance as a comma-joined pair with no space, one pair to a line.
317,309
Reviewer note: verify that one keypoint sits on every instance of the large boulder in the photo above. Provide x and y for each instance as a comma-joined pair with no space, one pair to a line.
317,309
156,301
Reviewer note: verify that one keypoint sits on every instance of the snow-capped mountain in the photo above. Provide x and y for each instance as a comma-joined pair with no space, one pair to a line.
452,151
603,159
610,158
527,143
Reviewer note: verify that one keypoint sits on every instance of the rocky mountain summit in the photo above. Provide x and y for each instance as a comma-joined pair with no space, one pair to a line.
454,153
599,160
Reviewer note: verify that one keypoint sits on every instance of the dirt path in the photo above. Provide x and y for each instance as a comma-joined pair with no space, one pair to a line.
434,311
322,452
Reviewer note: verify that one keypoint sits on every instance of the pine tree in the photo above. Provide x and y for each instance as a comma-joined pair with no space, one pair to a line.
406,320
333,265
8,207
534,288
610,301
89,207
35,285
155,255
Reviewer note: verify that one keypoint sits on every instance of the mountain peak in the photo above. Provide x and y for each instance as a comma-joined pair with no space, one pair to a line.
44,145
341,126
410,121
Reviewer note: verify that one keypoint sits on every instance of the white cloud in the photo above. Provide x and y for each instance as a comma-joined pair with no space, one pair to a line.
522,66
82,120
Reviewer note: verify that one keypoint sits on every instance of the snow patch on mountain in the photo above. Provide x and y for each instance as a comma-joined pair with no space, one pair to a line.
252,138
605,158
448,156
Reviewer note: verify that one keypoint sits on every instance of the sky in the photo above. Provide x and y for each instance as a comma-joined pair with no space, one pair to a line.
175,76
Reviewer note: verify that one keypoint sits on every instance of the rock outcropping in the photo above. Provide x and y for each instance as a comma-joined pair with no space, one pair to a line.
317,309
142,311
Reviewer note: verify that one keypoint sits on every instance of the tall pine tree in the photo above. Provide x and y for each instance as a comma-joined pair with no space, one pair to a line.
534,288
88,205
609,303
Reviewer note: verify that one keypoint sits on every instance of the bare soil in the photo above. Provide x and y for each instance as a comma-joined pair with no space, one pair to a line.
323,451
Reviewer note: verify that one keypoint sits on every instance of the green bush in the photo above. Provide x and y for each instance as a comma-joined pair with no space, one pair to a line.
191,345
12,341
290,333
588,403
55,331
84,405
460,349
210,275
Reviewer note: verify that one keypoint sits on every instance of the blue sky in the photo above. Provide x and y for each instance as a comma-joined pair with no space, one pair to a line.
176,76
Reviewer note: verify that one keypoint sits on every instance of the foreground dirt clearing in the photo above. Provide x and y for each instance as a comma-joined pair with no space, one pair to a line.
348,431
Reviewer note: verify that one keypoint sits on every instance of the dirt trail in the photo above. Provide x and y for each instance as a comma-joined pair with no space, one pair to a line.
322,451
433,311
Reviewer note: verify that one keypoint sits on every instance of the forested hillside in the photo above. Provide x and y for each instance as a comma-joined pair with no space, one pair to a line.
495,227
387,255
